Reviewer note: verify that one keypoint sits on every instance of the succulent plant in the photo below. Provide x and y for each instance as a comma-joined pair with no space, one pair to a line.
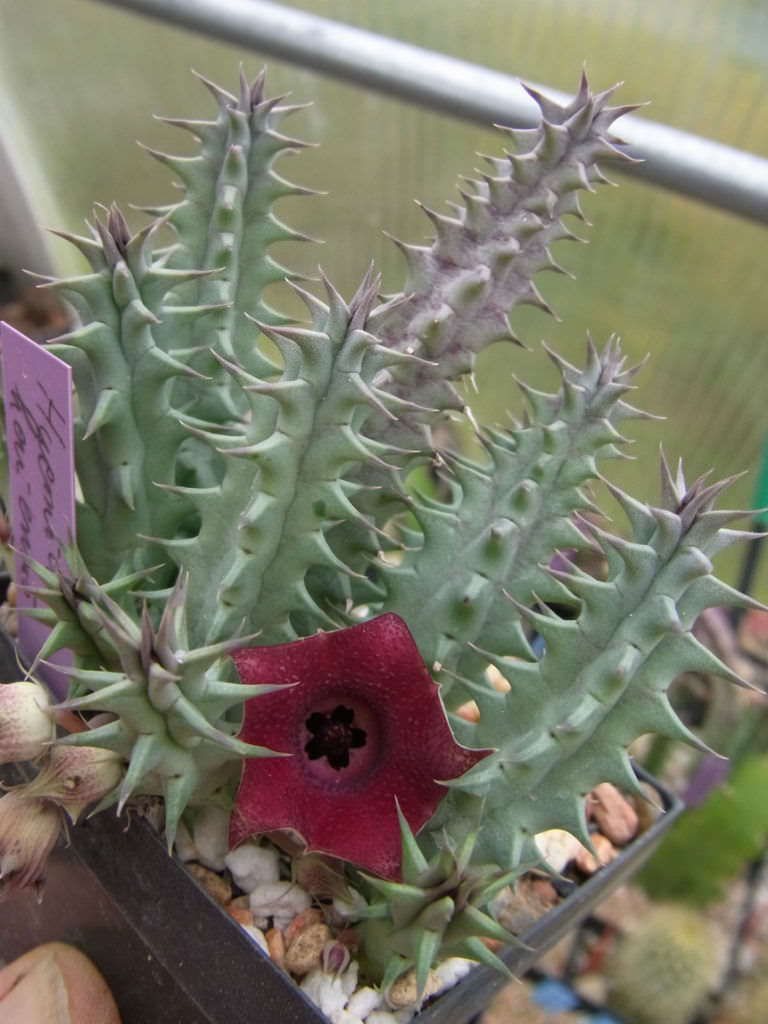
437,908
747,1001
666,968
256,575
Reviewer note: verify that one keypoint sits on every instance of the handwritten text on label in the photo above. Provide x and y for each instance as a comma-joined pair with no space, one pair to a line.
37,389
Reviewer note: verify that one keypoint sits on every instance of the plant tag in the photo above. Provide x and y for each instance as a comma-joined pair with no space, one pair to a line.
37,390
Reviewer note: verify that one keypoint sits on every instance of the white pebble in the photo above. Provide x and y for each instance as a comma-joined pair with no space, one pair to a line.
349,978
184,844
331,992
389,1017
557,847
279,900
450,971
326,991
251,865
364,1001
211,836
345,1017
257,935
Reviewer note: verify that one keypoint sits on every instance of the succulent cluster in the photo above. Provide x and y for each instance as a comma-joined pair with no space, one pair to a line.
257,579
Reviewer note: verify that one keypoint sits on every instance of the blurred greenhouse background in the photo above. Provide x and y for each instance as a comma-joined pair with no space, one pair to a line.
674,278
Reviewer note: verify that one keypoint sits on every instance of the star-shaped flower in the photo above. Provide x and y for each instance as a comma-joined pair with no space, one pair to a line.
364,725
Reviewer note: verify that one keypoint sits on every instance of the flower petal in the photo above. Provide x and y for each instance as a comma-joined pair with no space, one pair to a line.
365,725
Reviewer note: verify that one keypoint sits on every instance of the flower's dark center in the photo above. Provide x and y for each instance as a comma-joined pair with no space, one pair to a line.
333,736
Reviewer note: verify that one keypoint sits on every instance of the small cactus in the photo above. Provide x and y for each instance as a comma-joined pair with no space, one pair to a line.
665,968
745,1003
247,508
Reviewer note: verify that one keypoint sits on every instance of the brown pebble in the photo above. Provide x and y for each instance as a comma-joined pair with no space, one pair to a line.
518,908
403,992
545,892
648,811
498,681
470,712
300,922
303,954
216,886
585,860
276,946
349,937
240,914
615,816
70,721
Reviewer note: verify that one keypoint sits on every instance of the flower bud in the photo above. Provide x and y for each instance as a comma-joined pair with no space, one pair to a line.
26,725
76,777
29,828
334,957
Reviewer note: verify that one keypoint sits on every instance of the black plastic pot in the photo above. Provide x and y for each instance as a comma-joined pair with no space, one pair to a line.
470,997
171,955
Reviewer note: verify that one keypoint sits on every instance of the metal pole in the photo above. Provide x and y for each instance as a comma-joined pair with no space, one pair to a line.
699,168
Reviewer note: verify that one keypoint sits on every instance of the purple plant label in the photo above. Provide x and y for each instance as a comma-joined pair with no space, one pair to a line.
37,389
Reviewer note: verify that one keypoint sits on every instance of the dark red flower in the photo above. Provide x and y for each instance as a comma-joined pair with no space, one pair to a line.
365,725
